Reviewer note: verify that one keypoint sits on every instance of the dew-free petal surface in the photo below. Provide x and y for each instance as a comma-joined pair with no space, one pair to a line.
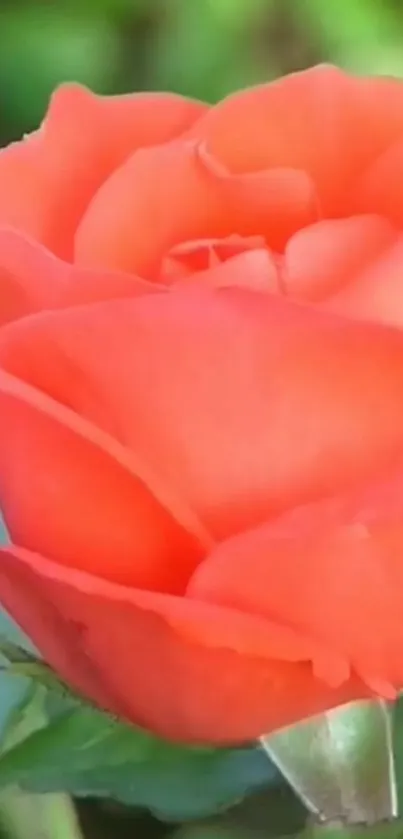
48,178
174,665
243,403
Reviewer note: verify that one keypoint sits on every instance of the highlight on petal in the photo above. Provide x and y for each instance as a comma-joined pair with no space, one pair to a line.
322,120
174,665
48,179
169,195
236,404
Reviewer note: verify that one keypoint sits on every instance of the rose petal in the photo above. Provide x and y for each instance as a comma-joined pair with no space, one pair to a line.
87,286
254,270
67,491
321,120
376,293
275,203
170,664
202,254
327,256
48,179
238,401
170,194
32,278
379,190
342,585
368,502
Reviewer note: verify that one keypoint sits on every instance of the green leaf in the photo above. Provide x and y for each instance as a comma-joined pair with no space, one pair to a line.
20,661
381,830
86,752
340,762
14,692
8,628
38,817
265,815
13,695
4,539
23,814
398,749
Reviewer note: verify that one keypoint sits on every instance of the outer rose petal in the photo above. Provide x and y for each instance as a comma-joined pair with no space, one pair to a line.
170,194
32,279
48,179
238,401
320,120
342,585
173,665
67,491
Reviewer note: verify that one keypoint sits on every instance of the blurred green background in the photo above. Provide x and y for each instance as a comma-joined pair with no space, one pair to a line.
205,48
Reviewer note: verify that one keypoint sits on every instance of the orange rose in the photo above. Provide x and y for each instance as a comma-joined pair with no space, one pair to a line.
295,184
204,484
49,179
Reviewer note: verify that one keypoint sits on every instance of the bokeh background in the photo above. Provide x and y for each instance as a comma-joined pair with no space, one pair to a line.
204,48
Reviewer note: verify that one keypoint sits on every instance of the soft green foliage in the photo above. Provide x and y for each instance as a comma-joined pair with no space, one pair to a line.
50,742
86,752
204,48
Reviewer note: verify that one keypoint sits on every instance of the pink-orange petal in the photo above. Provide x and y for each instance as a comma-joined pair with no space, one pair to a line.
29,277
66,491
32,279
321,120
375,293
325,257
238,404
202,254
158,198
48,179
174,665
171,194
274,203
380,190
342,586
254,270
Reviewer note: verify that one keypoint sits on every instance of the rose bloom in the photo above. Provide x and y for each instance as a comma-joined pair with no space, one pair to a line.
201,400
